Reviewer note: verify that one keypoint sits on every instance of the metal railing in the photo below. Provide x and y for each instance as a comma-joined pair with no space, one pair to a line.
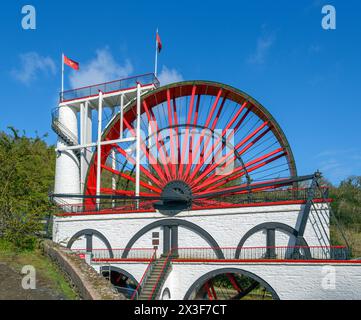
162,275
104,207
128,206
100,255
145,277
266,253
229,253
61,129
277,195
108,87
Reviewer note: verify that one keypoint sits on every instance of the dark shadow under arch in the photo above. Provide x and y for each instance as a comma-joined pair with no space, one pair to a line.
91,233
272,225
200,281
176,222
119,270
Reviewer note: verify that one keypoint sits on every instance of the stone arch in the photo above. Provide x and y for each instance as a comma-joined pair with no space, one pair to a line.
119,270
89,233
200,281
176,222
272,225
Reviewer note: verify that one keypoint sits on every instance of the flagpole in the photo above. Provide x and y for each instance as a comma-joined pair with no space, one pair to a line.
62,75
156,54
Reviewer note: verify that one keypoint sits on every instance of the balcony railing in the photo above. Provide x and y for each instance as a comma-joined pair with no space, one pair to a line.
100,255
128,206
266,253
277,253
108,87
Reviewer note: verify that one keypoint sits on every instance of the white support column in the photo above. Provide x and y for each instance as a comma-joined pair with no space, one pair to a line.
82,141
100,114
137,165
121,116
89,129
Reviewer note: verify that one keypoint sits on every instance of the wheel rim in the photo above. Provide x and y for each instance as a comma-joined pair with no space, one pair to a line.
194,132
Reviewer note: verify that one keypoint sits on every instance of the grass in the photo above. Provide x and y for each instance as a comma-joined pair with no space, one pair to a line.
45,268
353,236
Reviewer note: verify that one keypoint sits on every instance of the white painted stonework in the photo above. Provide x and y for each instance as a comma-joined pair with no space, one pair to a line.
290,281
67,176
226,226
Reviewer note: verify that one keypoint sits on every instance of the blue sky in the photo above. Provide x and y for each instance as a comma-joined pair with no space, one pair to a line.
307,77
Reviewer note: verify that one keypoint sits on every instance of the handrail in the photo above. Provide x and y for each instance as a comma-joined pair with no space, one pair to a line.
62,128
145,275
129,206
324,253
109,82
268,247
109,87
167,260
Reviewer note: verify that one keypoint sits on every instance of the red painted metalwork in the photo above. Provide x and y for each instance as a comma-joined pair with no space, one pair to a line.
209,293
233,281
207,106
161,274
214,294
140,283
239,172
187,133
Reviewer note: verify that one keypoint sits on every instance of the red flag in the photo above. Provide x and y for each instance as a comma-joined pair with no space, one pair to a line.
159,43
71,63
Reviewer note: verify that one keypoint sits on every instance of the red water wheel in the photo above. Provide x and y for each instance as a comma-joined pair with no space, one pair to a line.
199,139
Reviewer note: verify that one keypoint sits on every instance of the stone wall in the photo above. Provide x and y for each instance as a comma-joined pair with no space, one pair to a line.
88,283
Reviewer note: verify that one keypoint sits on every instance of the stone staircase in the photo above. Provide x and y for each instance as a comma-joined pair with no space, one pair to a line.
159,271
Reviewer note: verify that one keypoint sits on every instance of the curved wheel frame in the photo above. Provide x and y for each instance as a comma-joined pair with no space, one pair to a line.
184,104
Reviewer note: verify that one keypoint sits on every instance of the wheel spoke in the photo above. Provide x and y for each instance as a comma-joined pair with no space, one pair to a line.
132,179
174,161
219,140
240,171
161,150
152,161
185,140
183,120
142,168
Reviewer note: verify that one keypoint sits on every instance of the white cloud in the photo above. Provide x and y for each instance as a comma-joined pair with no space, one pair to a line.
102,68
31,65
264,43
169,76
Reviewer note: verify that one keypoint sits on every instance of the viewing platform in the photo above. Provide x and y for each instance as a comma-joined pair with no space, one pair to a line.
109,88
287,196
204,254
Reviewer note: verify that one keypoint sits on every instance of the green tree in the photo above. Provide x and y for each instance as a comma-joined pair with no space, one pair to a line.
26,175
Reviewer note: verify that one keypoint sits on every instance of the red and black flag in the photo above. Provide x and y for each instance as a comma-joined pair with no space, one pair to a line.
159,43
71,63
